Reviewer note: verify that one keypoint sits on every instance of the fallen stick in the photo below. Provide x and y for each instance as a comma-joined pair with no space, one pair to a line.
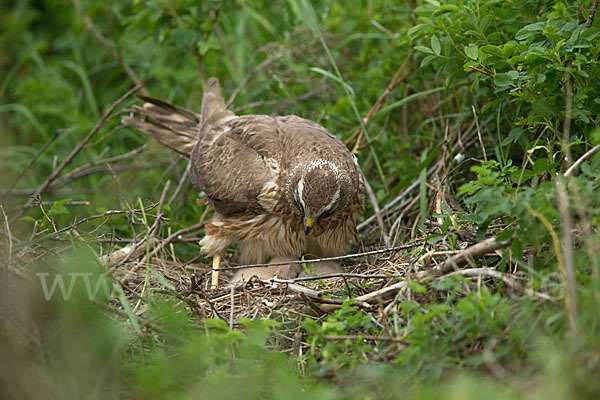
454,262
506,278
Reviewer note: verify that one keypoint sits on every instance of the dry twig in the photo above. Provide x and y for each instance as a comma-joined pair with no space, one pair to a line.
259,68
376,211
30,163
338,258
8,234
479,133
163,243
573,168
77,149
395,81
108,213
110,47
469,253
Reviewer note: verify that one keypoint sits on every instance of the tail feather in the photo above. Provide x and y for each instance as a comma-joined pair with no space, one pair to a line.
213,105
172,126
167,113
176,127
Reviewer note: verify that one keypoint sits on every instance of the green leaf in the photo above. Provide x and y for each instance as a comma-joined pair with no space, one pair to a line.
424,49
493,50
435,45
415,29
256,330
271,323
471,51
432,239
505,235
476,218
517,249
27,218
480,170
542,165
543,108
416,287
161,279
58,208
216,323
446,8
492,105
485,23
127,307
529,30
448,283
481,231
521,175
428,60
513,136
590,33
502,79
409,305
308,15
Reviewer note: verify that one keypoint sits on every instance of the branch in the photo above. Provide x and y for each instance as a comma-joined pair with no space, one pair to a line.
376,210
479,133
396,80
591,14
8,234
77,149
110,47
506,278
262,66
339,275
470,254
168,240
31,162
571,171
108,213
449,265
567,250
338,258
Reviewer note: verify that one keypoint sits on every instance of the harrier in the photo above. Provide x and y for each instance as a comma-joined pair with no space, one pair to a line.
281,187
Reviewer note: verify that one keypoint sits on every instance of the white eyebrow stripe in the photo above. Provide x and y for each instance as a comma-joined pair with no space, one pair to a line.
335,198
300,190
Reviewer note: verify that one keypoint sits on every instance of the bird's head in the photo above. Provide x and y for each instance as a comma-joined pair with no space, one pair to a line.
318,191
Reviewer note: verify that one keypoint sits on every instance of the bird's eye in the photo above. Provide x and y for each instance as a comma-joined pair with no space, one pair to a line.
325,214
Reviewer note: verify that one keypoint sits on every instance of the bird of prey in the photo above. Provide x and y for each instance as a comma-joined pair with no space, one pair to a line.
281,187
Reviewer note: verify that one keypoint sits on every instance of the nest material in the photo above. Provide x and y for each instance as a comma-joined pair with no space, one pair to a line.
378,284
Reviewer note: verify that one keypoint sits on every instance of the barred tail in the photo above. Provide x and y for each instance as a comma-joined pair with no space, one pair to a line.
172,126
176,127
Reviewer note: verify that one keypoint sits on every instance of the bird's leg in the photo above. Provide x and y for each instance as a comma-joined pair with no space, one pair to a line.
215,273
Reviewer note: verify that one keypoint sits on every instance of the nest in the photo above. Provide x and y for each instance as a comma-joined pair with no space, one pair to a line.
375,282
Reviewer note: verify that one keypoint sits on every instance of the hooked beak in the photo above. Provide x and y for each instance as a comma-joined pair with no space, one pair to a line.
308,224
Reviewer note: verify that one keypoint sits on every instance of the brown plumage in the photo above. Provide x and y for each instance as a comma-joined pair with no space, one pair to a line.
281,187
